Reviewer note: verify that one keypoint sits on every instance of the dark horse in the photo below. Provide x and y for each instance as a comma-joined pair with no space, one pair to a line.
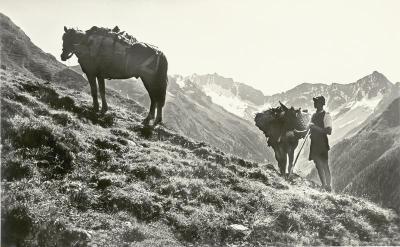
107,54
283,127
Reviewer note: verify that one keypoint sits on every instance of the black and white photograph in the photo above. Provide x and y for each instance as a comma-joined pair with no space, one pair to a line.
200,123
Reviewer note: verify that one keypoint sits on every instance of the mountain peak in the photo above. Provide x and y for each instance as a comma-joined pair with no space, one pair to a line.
372,85
378,77
376,73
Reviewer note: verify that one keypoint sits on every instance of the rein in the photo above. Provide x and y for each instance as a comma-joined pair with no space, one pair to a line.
304,142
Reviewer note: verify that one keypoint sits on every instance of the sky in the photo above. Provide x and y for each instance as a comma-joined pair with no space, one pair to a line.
270,45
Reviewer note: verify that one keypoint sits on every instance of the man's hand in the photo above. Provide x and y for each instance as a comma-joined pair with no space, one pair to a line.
314,127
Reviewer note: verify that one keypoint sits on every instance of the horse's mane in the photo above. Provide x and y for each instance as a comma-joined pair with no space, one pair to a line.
113,33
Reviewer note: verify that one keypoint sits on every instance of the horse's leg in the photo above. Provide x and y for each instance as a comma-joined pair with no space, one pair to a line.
283,163
280,156
284,146
290,154
161,80
152,110
150,91
102,89
160,105
292,147
93,90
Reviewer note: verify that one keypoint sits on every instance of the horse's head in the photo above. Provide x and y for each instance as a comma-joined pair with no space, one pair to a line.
289,116
70,38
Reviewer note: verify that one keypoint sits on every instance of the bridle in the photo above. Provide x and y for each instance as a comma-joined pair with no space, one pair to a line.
72,51
70,54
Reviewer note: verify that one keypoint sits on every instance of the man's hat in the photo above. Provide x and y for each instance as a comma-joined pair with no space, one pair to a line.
319,99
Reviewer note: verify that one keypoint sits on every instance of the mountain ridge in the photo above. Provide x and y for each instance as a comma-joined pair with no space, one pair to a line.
20,54
350,104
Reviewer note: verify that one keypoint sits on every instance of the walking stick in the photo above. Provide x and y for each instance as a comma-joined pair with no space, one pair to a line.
305,139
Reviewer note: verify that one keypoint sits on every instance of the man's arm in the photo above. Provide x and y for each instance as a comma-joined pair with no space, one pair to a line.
327,124
327,130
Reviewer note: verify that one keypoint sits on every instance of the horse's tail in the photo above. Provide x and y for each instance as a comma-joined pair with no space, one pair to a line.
162,78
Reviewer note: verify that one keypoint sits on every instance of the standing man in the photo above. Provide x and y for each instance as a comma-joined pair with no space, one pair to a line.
320,128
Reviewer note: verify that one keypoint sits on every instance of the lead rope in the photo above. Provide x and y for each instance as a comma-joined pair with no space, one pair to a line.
305,139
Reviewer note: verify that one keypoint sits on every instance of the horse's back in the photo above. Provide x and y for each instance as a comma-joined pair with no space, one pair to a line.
118,60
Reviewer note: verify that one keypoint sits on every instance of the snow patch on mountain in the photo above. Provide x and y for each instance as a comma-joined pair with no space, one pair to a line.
180,80
358,112
226,99
370,103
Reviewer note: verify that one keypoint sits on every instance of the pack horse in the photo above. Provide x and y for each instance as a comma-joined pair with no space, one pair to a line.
283,127
110,54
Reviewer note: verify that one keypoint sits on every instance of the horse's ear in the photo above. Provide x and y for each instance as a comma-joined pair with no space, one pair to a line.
283,106
65,29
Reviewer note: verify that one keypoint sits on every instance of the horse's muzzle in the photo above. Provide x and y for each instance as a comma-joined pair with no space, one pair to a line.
65,56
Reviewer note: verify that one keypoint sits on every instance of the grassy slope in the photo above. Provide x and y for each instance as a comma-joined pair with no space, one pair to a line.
72,177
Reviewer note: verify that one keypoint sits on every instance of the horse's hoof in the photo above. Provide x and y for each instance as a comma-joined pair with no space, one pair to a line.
328,188
157,121
145,122
104,110
95,108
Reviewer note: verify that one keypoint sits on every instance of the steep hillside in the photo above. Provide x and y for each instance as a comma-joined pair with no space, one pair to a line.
186,112
368,164
191,112
74,178
20,54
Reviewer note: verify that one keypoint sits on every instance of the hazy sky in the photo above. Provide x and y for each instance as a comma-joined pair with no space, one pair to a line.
271,45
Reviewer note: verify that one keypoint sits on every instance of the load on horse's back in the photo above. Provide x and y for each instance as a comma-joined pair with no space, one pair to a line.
110,54
283,127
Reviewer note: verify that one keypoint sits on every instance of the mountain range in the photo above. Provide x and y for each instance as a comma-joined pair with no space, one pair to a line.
349,104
